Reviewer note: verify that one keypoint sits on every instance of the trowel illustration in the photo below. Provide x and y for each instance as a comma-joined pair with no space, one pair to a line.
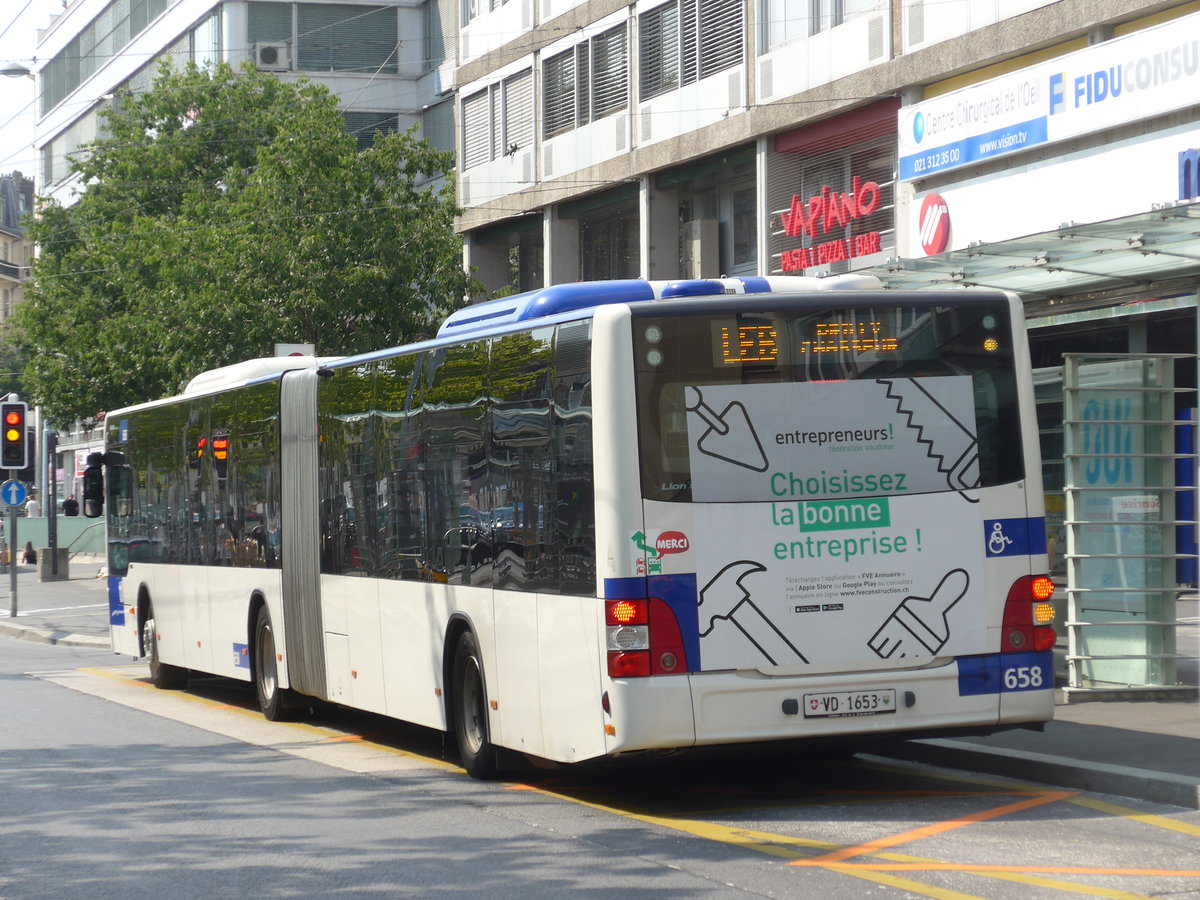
956,450
729,434
724,599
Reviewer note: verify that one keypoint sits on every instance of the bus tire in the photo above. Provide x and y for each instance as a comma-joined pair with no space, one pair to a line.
469,709
163,676
277,704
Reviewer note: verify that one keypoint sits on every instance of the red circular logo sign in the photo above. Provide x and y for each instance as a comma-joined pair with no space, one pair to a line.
934,224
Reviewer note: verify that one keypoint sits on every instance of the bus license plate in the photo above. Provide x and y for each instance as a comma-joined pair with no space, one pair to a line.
849,703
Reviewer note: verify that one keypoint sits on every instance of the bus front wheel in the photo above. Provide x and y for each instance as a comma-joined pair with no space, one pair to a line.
469,700
275,702
162,675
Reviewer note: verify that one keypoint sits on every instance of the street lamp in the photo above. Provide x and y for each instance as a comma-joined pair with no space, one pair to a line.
15,70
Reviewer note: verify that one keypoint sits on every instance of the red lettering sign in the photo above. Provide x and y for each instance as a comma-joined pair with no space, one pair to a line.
821,214
830,209
671,542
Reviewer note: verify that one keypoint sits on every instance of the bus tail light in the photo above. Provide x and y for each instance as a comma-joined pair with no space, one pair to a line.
643,638
1028,614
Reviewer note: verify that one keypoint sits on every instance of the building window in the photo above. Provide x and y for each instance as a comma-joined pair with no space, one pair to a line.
516,121
437,125
608,242
362,126
439,32
558,93
100,40
329,37
685,40
786,20
206,42
473,9
476,129
587,82
610,72
498,120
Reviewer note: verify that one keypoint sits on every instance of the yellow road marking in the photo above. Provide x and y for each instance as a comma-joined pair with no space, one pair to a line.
936,828
793,849
1145,818
934,866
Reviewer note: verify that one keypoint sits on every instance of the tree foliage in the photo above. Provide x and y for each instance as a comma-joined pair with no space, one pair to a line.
225,212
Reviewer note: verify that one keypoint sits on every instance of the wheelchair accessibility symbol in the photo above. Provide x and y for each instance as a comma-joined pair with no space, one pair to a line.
1014,537
999,541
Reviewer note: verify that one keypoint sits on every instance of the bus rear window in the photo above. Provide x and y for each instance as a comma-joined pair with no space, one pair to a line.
867,384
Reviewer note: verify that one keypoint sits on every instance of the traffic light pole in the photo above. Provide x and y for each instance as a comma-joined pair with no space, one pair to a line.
12,560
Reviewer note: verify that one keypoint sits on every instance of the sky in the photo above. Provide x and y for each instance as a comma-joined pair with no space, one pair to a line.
19,24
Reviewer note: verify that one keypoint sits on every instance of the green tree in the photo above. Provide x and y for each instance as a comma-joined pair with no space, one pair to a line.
224,212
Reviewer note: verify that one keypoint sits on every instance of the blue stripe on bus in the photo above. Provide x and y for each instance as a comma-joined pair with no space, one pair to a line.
693,288
1014,537
755,284
1005,673
116,609
679,593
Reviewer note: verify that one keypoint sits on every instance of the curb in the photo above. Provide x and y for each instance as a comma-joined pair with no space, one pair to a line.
61,638
1125,781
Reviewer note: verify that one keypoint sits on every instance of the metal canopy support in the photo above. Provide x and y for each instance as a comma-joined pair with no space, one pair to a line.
1120,488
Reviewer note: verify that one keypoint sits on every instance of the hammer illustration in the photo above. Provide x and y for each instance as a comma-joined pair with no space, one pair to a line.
725,599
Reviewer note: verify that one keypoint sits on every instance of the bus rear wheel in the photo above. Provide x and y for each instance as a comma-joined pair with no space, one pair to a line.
469,710
277,704
163,676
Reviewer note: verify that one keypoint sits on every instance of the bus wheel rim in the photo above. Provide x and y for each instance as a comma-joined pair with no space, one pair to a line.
472,688
266,662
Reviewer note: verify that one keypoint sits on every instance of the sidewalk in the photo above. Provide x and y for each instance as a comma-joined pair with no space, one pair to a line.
73,612
1147,750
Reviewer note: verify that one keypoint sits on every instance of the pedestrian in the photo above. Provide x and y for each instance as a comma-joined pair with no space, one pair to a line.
30,555
71,506
33,509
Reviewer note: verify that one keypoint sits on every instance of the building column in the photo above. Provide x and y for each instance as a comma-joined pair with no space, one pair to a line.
660,232
561,242
486,261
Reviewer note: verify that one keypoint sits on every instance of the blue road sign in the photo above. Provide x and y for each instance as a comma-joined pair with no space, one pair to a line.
13,493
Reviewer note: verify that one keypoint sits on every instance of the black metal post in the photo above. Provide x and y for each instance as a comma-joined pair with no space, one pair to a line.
51,498
12,561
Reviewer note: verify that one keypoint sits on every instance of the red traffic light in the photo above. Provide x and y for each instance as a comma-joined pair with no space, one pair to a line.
14,447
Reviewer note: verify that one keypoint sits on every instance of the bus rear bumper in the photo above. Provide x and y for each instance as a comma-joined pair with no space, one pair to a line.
981,694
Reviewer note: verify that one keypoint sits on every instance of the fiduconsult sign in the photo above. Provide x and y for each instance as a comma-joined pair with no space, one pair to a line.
1123,80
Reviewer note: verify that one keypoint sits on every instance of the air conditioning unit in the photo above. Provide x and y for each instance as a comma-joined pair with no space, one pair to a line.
273,56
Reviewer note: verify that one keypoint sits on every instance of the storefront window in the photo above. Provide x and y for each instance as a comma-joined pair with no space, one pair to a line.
608,242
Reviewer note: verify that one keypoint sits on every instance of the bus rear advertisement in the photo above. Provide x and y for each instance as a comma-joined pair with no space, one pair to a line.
609,517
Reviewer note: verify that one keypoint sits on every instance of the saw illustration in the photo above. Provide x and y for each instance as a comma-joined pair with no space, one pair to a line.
955,449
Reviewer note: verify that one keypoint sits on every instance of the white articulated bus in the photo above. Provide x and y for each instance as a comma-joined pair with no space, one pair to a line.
609,517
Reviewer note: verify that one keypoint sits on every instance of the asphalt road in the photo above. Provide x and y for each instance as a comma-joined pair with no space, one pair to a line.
110,788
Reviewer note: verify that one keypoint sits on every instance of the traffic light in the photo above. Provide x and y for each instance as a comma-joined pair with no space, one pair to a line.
93,486
14,436
220,453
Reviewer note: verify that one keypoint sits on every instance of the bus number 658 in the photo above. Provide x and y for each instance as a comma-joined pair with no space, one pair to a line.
1023,677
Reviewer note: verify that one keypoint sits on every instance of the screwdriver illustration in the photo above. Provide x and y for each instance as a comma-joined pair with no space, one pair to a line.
724,598
729,436
919,625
